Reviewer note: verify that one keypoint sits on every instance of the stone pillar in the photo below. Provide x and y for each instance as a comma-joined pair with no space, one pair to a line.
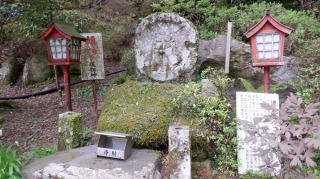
69,129
179,153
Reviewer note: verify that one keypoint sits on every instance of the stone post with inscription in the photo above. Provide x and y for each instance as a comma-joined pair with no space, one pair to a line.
69,130
248,107
179,152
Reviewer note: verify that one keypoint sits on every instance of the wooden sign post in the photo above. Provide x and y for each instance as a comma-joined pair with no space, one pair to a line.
226,69
92,64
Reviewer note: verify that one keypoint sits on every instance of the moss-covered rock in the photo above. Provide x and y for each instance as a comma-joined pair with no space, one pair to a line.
10,70
142,109
70,130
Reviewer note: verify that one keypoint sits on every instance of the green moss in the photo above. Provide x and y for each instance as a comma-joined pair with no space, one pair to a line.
173,158
141,109
70,131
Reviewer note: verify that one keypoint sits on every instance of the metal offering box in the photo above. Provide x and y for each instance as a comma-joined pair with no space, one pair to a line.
114,145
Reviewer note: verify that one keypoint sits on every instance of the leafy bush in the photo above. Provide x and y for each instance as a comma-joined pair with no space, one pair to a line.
307,83
249,87
211,118
10,166
87,137
27,18
128,60
81,21
42,152
298,128
212,20
218,78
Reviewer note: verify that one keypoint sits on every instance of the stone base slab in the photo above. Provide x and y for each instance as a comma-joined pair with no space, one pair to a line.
84,163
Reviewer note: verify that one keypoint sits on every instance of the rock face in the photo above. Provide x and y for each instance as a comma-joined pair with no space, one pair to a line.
212,52
36,69
166,48
83,163
10,70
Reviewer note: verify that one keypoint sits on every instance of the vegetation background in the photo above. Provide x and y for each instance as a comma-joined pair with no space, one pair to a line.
22,21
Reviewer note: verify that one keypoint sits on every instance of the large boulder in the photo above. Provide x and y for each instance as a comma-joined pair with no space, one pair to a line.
142,109
10,71
213,53
166,48
36,70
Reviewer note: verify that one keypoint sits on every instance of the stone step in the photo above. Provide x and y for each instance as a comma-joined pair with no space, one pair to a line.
83,163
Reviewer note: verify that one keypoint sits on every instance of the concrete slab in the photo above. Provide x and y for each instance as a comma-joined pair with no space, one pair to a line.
83,163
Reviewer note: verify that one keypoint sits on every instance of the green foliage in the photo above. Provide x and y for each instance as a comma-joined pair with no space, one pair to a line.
254,175
81,21
218,78
10,166
27,17
213,118
128,60
249,87
307,83
42,152
87,137
117,34
141,109
87,91
299,130
211,20
119,79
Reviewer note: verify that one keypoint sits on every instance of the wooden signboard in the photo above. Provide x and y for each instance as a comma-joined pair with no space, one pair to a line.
92,63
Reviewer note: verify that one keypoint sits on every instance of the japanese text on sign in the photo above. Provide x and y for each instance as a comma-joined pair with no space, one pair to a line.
92,62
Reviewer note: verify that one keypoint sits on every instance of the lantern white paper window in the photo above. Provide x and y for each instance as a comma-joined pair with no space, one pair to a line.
268,46
58,48
74,49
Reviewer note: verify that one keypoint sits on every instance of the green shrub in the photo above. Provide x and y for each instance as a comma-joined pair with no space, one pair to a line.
10,166
307,83
42,152
211,119
81,21
250,88
128,60
211,20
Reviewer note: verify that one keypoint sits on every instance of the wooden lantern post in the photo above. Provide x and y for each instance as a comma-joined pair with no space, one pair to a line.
63,45
267,44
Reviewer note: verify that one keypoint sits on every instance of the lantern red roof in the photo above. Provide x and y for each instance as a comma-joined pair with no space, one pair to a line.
64,29
268,19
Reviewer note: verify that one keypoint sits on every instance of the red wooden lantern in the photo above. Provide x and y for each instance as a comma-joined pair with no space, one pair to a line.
267,44
267,41
63,44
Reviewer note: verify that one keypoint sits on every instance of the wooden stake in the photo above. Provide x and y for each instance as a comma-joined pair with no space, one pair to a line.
67,91
94,86
57,79
226,68
266,79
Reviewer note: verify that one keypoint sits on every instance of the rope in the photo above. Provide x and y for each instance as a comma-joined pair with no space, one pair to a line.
52,90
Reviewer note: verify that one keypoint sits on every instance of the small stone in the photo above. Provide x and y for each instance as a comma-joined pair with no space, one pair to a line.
133,15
